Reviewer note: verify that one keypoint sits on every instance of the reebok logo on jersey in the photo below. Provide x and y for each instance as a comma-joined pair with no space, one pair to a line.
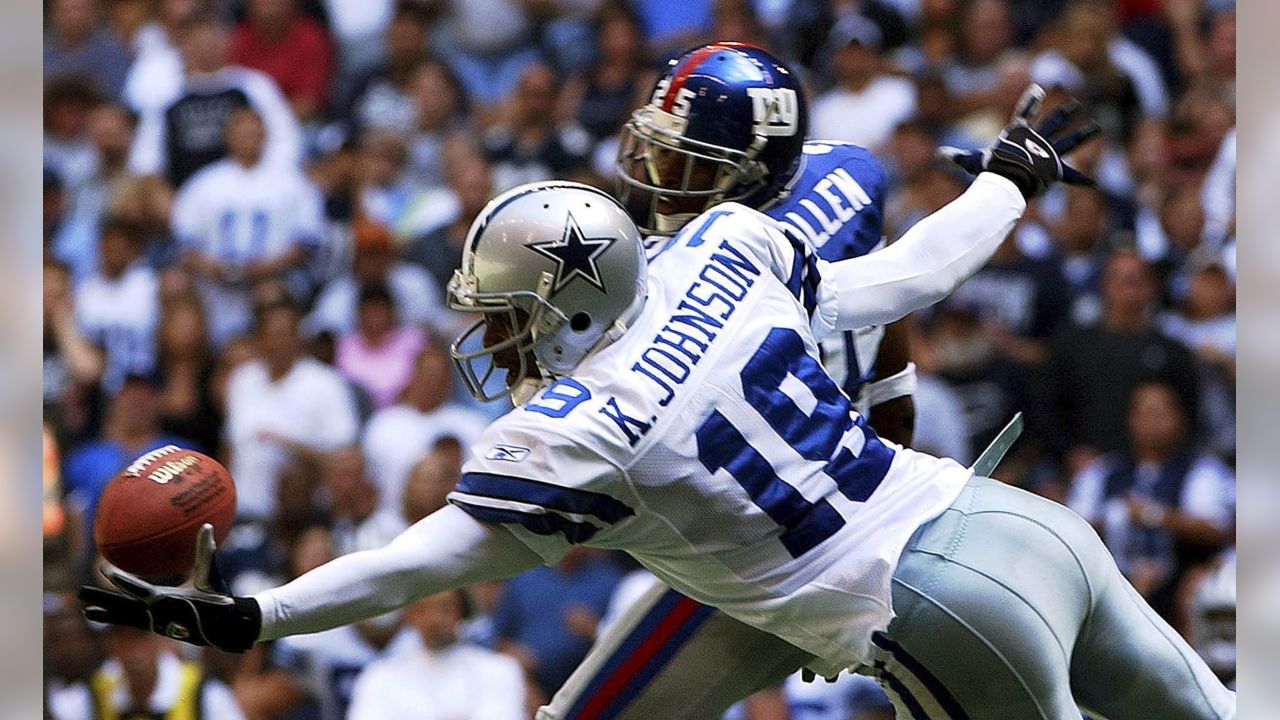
507,453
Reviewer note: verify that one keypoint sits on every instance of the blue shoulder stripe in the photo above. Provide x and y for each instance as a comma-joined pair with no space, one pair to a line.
554,497
540,523
804,279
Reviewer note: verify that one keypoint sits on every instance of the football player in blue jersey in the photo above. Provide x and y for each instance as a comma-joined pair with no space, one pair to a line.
726,122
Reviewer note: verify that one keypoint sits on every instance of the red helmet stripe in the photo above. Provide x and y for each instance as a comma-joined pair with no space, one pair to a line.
686,68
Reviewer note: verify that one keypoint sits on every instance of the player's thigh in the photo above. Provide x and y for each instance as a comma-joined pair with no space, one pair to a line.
988,600
1129,664
670,657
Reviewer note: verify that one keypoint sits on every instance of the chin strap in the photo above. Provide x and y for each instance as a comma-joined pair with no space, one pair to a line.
524,390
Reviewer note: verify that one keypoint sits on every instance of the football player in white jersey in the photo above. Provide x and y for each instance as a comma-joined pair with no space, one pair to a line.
742,106
676,410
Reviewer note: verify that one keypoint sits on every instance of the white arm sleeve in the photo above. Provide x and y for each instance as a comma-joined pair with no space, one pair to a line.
930,261
445,550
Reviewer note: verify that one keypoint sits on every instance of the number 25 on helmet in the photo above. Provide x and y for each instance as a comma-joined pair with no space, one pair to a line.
726,122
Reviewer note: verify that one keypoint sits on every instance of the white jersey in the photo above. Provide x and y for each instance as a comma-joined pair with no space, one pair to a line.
120,316
709,443
237,215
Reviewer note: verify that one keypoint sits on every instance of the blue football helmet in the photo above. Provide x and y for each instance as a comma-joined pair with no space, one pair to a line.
726,122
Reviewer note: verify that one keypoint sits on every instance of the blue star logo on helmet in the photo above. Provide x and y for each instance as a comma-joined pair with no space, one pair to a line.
575,255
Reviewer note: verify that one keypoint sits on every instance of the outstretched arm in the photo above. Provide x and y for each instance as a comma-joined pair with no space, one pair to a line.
946,248
445,550
930,261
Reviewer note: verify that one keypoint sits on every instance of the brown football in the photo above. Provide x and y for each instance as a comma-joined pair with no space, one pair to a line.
149,514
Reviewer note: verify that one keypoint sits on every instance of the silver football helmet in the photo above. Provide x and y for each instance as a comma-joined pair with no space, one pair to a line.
556,269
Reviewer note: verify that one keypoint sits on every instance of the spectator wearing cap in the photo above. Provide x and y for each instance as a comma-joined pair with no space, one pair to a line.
866,104
117,307
436,677
398,436
243,220
1162,502
417,298
79,45
187,131
131,428
291,48
280,406
379,354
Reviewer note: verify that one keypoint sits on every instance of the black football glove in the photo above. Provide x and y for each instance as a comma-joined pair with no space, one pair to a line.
1028,156
194,612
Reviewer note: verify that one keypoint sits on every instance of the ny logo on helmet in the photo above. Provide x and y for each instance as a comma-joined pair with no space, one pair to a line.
775,111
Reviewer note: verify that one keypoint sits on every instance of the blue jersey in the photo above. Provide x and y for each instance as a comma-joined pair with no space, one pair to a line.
835,204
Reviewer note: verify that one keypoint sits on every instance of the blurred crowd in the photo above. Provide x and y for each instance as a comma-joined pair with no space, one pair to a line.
251,209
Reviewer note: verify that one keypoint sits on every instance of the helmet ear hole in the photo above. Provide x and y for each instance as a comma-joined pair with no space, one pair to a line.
580,322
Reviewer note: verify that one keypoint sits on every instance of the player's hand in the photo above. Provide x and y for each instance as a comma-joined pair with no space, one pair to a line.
1030,157
195,612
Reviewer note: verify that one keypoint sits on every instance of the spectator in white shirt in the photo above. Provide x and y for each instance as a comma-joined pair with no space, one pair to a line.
117,307
865,105
242,220
398,436
280,405
440,678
